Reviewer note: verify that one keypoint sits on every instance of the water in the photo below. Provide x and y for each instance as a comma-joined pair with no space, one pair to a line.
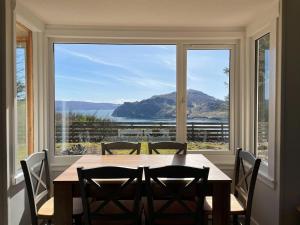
107,114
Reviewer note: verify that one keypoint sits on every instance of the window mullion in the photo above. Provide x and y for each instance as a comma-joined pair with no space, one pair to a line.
181,94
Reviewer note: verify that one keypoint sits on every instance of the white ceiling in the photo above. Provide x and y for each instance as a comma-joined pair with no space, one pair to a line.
148,13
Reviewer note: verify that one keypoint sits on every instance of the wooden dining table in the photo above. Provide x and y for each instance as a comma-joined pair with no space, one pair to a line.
66,185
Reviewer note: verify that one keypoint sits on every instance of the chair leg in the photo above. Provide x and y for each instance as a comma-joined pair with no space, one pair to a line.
205,219
235,220
247,220
77,220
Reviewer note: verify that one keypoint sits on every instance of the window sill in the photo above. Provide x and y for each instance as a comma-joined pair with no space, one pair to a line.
265,178
222,159
18,178
211,152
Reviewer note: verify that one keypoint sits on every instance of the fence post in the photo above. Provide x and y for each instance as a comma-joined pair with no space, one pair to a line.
193,135
222,130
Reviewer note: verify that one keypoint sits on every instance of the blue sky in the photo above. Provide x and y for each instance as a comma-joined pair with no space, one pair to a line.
118,73
20,71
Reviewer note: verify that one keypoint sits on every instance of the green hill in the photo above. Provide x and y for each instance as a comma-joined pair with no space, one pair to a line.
199,104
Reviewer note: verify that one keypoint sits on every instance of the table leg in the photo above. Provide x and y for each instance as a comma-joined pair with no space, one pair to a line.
63,203
221,203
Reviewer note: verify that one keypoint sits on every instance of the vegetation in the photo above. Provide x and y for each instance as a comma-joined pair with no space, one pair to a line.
95,148
104,125
227,73
87,140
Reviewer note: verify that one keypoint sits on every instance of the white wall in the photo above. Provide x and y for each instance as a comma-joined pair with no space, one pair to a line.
3,141
265,209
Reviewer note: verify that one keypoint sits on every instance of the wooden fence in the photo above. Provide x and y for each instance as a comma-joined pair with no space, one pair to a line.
75,132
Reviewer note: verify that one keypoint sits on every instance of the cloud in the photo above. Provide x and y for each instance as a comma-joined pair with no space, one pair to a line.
194,77
167,60
131,75
144,81
164,47
90,81
122,100
90,58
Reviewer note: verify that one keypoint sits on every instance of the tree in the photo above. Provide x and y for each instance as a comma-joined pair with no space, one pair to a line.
20,74
226,71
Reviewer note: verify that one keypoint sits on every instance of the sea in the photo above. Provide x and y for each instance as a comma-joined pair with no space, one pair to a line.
107,113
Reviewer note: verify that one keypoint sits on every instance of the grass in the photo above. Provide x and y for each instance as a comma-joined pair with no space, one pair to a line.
95,148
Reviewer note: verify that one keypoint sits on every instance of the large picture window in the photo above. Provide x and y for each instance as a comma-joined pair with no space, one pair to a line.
111,92
128,92
262,46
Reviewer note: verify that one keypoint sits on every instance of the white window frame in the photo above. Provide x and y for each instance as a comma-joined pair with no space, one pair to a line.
232,98
221,157
36,27
267,170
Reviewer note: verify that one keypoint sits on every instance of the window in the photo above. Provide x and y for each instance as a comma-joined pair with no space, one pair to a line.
262,75
128,92
24,94
208,79
113,92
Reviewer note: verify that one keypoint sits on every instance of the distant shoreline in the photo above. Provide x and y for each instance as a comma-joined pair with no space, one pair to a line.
107,113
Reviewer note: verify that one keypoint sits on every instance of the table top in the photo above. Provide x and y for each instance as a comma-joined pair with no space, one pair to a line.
133,161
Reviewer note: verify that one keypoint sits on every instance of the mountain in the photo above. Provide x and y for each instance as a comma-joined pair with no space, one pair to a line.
199,105
79,105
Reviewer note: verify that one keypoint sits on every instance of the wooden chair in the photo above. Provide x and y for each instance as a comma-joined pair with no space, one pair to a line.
37,179
246,170
105,201
170,201
121,146
157,146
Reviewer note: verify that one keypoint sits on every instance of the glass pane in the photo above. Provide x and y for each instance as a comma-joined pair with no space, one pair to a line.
106,93
22,150
262,87
208,73
24,112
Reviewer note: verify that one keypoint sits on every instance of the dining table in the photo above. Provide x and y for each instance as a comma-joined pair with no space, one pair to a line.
66,185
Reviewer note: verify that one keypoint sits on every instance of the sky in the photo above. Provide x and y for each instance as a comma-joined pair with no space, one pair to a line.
118,73
20,72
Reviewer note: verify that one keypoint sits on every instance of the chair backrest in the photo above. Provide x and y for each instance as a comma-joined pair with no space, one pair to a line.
109,148
246,170
103,190
36,173
163,185
167,145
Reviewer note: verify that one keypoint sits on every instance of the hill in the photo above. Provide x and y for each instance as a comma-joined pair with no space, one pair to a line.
199,105
80,105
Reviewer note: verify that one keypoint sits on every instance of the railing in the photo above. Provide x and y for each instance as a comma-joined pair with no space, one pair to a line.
74,132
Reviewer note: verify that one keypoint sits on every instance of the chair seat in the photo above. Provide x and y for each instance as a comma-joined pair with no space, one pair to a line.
101,222
112,214
46,211
236,207
174,215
